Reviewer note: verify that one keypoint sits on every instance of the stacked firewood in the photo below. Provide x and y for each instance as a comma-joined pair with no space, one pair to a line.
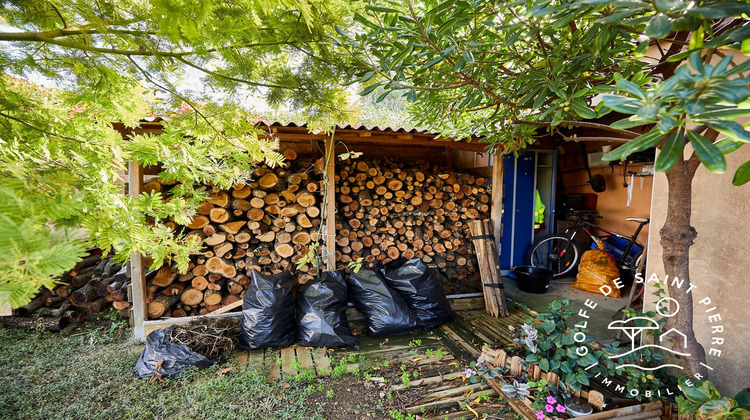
392,209
266,224
92,286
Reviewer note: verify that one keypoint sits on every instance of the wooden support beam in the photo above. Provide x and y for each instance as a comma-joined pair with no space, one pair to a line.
137,271
496,210
330,210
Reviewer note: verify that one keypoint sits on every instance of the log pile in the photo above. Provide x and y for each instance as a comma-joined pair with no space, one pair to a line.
266,224
392,209
92,286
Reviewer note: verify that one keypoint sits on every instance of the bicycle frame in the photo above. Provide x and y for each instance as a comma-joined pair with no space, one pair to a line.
585,225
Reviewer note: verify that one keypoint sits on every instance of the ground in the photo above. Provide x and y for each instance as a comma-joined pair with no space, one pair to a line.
88,373
606,309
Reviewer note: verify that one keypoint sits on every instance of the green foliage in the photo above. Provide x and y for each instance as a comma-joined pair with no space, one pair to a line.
702,399
503,69
101,376
552,347
61,162
516,390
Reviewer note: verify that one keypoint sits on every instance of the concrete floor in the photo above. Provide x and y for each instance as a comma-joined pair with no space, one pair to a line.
560,289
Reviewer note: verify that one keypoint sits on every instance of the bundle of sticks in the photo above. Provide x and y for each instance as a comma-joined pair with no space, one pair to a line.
92,286
391,209
212,338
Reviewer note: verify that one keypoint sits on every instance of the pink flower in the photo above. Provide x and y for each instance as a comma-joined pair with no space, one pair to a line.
549,408
560,408
551,400
540,415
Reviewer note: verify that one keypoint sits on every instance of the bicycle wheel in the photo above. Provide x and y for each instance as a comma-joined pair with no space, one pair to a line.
555,253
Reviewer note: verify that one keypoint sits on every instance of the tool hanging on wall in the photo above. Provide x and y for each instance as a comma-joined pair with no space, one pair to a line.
630,188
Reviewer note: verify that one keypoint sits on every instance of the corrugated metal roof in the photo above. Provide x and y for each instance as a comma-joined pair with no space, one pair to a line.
353,127
292,124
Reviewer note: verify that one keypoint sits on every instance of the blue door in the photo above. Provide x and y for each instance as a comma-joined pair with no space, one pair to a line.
519,183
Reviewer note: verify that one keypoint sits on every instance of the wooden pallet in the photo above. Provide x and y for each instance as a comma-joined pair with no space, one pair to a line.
290,361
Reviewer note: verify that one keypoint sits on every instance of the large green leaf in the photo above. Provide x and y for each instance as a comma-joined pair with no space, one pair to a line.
738,414
670,153
698,391
708,154
685,406
730,129
659,26
727,145
742,398
716,409
742,176
580,108
638,144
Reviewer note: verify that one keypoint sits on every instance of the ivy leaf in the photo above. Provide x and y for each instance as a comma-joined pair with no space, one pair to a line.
708,154
670,153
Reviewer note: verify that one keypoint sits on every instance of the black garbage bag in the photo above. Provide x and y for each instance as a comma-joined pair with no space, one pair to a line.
268,312
386,312
170,358
321,313
419,287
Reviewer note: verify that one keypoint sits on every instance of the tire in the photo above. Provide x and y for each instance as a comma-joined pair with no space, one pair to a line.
541,256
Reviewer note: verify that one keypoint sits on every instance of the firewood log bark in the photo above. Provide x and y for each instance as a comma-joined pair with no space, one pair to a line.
53,324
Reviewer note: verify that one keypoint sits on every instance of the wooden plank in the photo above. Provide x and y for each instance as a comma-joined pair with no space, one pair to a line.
330,209
496,209
270,360
448,402
304,356
322,362
240,358
137,269
452,391
468,348
288,361
429,381
227,308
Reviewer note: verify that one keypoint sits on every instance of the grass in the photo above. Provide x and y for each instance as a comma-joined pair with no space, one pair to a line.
91,376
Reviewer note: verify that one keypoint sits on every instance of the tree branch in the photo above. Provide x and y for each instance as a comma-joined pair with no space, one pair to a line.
40,37
629,134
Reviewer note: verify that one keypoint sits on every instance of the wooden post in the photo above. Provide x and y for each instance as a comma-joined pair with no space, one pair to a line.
330,210
496,211
137,272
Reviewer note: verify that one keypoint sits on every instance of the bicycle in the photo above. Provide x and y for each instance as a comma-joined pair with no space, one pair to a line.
559,254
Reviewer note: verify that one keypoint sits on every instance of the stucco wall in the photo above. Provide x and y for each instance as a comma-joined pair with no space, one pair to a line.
719,266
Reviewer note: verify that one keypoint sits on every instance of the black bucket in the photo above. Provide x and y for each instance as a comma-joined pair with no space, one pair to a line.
532,279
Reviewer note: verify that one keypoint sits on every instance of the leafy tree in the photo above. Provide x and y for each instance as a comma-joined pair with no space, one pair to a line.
194,62
504,69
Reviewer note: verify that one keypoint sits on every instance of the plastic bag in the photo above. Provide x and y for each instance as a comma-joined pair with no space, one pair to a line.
170,358
597,272
268,312
386,312
321,313
420,289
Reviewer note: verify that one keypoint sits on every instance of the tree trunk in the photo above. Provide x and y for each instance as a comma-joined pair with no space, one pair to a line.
677,236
